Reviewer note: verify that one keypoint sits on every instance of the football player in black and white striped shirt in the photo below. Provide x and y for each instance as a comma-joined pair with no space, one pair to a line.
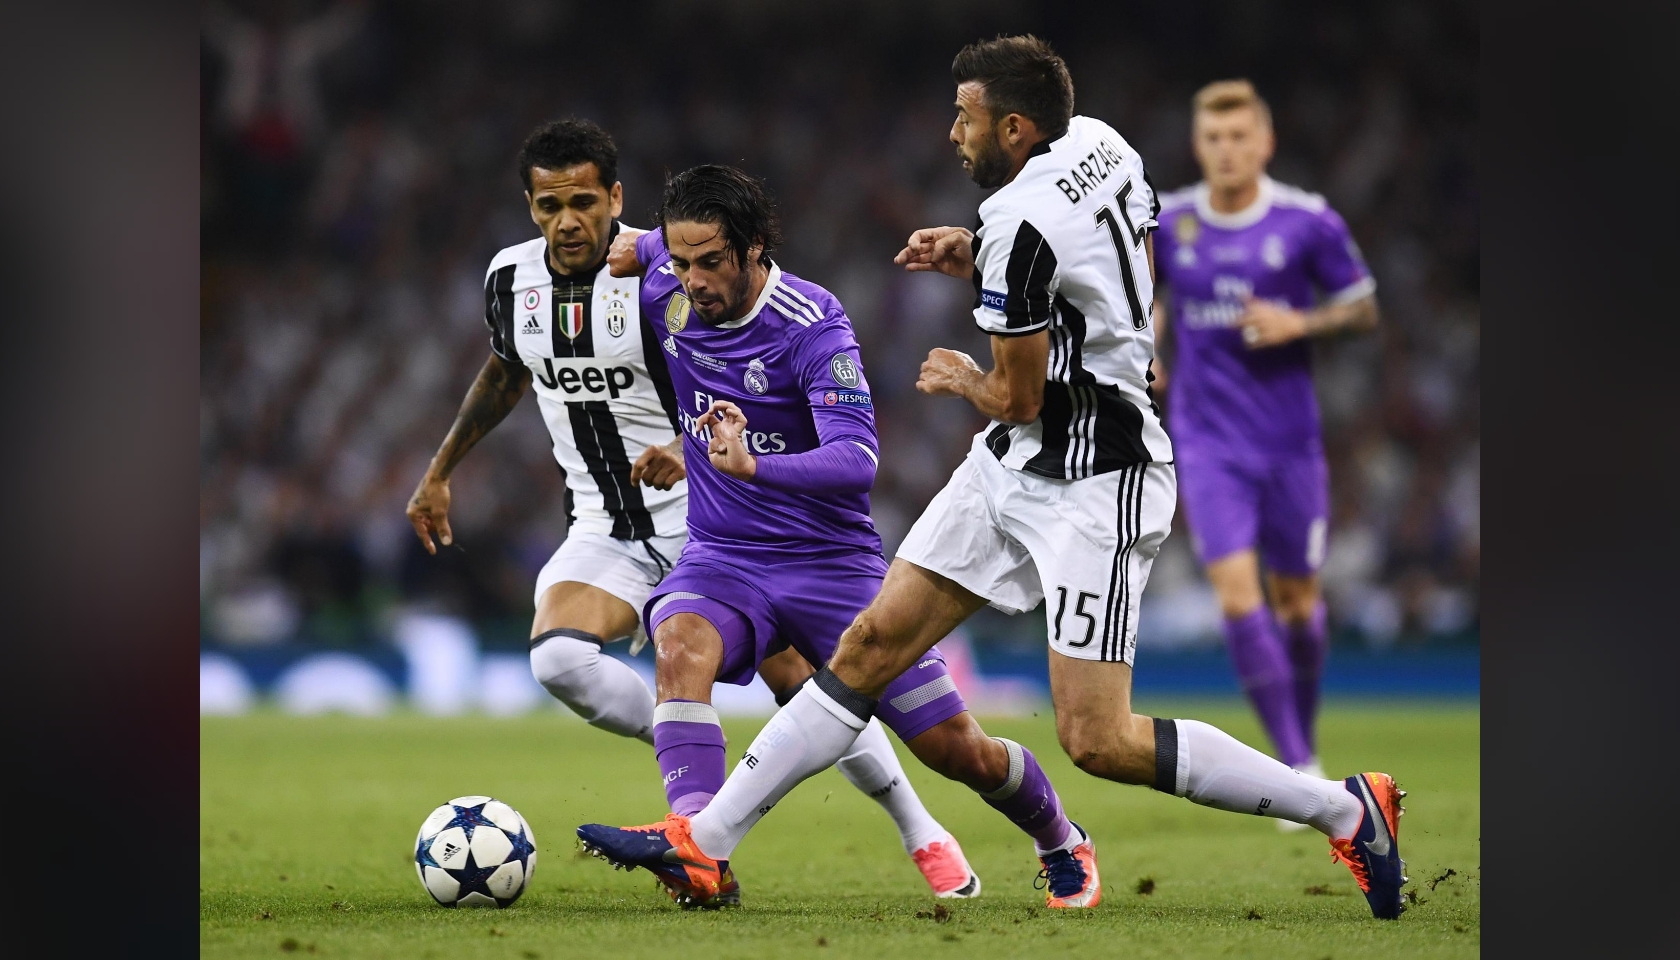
564,328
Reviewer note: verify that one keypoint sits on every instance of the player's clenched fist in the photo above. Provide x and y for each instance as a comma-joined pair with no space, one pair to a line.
428,510
621,256
726,450
660,467
945,373
947,250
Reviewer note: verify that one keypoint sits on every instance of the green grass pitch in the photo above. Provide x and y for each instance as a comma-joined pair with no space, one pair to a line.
307,826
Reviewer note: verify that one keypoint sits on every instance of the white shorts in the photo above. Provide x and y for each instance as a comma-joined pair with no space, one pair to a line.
1016,538
627,569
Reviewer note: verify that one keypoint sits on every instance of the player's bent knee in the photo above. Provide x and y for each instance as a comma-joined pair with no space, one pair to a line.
1109,750
565,666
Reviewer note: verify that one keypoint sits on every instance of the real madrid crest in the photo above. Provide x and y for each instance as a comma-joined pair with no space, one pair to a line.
756,382
1272,252
615,318
676,313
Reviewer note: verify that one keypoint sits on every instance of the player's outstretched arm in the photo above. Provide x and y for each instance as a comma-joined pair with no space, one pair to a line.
947,250
661,466
496,391
1011,392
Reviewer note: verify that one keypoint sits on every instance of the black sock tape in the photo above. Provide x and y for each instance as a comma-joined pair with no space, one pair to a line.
788,694
1166,756
567,632
855,703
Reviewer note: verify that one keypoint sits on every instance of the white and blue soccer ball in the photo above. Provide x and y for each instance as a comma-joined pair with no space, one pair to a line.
475,852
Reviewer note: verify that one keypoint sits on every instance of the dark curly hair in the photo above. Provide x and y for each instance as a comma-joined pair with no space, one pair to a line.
565,143
1021,75
729,197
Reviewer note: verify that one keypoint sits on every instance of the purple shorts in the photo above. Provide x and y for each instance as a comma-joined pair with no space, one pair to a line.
1278,503
762,609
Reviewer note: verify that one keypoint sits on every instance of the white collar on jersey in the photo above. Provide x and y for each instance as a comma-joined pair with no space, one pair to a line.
770,283
1246,217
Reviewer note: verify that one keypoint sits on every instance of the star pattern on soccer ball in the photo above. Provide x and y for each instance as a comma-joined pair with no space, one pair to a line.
522,847
469,817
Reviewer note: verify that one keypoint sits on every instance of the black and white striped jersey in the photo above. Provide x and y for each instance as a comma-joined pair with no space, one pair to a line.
602,385
1061,248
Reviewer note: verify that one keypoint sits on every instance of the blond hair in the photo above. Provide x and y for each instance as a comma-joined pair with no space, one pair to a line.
1221,96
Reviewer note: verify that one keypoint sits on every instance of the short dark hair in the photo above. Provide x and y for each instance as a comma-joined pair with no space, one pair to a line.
729,197
1021,75
565,143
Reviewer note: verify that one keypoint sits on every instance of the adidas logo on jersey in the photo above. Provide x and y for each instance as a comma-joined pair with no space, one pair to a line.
531,325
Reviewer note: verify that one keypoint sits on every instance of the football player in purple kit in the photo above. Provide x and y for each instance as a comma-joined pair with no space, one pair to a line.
602,386
781,445
1256,269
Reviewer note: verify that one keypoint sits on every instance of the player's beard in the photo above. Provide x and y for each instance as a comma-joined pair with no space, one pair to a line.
989,167
734,301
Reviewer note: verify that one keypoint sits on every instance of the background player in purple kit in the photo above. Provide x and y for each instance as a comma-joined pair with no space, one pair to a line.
781,550
1256,268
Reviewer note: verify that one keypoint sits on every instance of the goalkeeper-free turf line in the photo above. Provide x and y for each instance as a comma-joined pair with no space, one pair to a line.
307,826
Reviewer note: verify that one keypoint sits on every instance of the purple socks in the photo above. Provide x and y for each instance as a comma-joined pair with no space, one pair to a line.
689,743
1029,801
1309,645
1263,666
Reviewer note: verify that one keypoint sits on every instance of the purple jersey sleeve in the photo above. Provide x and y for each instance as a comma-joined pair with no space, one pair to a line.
840,466
831,374
650,249
842,411
1334,262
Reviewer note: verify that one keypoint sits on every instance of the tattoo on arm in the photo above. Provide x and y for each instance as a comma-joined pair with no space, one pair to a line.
1359,316
492,396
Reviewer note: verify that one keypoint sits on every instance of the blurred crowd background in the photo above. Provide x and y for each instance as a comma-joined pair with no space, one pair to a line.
358,175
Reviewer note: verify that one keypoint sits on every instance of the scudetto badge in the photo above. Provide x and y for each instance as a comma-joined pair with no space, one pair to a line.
845,371
615,318
756,382
676,313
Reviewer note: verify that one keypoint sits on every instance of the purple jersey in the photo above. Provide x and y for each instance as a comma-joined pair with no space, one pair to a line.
792,367
1288,247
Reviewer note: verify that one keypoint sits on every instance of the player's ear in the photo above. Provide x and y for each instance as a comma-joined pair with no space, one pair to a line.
532,204
615,198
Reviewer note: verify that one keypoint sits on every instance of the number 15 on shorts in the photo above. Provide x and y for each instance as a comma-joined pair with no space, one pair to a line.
1079,635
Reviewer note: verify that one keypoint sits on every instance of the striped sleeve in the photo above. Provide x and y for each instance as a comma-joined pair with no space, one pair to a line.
498,312
1017,277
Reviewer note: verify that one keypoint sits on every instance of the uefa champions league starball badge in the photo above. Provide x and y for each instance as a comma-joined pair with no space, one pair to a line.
757,383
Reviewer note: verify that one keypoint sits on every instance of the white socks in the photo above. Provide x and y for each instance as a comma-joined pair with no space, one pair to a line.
598,688
804,738
1214,769
872,766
